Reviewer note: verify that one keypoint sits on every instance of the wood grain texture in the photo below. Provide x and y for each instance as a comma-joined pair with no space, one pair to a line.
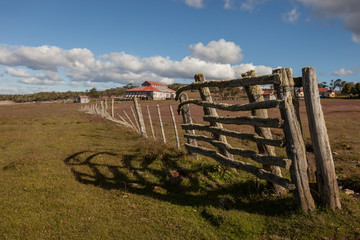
326,176
295,147
206,96
255,95
140,118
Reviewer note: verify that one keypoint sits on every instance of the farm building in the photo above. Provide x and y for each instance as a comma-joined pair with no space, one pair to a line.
323,93
269,94
329,94
152,91
83,99
299,93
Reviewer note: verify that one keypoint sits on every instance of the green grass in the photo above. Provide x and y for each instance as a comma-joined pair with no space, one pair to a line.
68,175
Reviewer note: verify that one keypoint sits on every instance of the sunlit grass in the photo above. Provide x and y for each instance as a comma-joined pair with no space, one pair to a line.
68,175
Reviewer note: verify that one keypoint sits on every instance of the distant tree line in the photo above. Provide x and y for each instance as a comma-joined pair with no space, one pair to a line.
346,88
350,89
69,95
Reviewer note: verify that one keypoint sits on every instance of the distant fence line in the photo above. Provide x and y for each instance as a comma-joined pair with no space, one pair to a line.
136,121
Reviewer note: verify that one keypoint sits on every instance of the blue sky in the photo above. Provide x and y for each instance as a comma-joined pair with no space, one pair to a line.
61,45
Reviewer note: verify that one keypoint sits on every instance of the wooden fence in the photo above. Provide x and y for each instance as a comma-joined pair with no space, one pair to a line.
135,120
283,82
288,122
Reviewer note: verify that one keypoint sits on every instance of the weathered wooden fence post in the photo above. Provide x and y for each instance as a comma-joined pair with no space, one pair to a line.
206,96
135,118
161,124
185,112
140,118
131,122
175,128
295,147
151,125
106,106
102,108
325,170
112,108
255,94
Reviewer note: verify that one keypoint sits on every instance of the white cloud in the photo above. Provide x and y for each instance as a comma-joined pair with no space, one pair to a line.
260,70
47,57
217,51
343,72
250,4
46,78
195,3
17,72
349,10
227,4
356,37
291,16
156,66
1,74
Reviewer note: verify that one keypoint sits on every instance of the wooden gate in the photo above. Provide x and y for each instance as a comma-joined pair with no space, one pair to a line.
283,83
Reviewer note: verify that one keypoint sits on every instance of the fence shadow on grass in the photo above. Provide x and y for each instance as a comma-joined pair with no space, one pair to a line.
158,175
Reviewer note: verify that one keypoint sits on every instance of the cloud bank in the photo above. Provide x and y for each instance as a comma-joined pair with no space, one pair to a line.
51,65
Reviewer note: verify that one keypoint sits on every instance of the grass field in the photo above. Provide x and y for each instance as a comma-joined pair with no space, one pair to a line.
69,175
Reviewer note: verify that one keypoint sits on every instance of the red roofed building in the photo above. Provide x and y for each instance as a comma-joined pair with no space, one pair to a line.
151,90
299,93
83,99
268,94
323,93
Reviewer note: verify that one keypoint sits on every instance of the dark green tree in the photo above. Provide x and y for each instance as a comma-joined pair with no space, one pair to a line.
323,85
347,89
337,84
93,93
356,89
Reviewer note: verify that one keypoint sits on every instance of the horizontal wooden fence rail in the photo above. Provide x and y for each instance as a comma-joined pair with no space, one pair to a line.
258,172
261,122
243,136
264,159
236,107
240,82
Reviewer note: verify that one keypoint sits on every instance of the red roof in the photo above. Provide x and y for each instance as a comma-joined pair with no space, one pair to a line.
83,96
143,89
267,92
323,89
153,83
